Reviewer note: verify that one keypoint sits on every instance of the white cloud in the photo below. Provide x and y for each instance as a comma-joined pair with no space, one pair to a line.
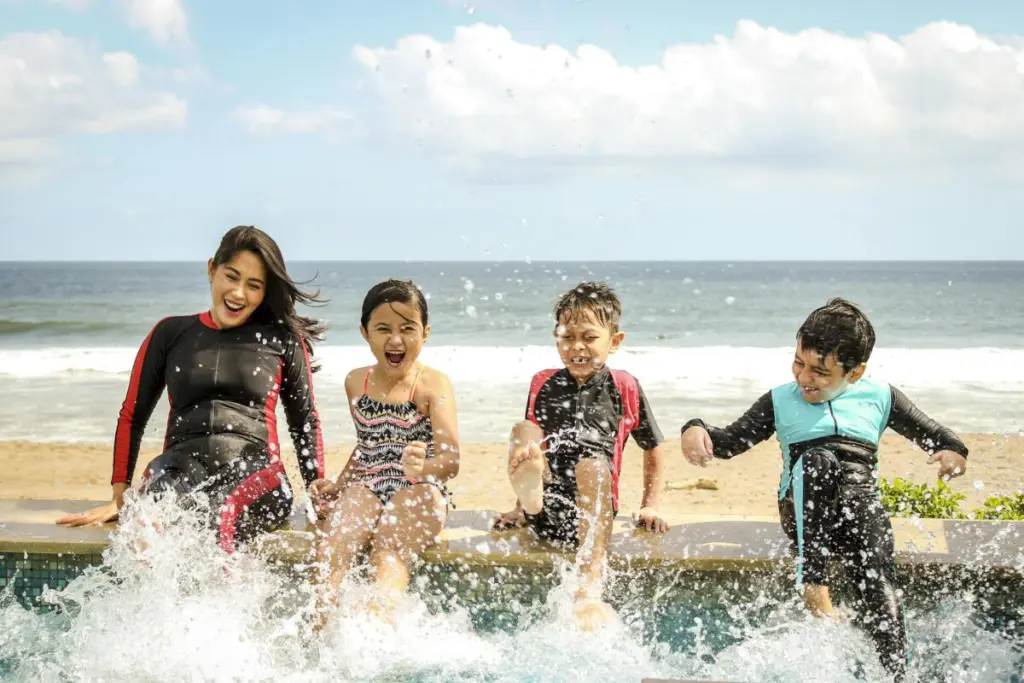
263,119
51,85
166,20
943,93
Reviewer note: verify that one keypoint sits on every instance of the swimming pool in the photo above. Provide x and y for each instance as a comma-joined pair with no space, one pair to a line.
187,613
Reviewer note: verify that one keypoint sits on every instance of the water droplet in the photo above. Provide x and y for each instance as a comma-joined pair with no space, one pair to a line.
730,300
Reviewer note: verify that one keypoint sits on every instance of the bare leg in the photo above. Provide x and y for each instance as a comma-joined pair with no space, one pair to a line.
339,539
411,523
594,499
527,466
818,600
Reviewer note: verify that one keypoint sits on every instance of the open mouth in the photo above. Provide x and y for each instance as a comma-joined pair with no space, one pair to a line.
233,308
580,361
394,358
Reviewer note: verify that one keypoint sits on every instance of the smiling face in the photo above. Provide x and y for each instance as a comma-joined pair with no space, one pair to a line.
584,344
395,333
237,288
822,379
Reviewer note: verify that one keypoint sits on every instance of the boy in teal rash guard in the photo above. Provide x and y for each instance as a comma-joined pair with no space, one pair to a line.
828,422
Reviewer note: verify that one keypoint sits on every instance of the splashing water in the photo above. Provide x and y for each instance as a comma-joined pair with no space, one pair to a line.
168,605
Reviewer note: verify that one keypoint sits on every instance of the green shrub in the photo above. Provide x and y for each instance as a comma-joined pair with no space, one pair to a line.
900,498
1002,507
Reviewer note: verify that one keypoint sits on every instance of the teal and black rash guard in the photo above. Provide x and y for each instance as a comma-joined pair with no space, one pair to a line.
851,423
223,387
829,504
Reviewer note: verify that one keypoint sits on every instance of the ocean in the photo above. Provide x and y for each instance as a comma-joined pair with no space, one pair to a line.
704,339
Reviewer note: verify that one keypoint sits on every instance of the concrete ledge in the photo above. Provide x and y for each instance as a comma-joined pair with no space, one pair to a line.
698,542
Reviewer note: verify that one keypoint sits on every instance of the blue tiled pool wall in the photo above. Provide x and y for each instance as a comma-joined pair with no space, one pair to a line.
29,574
499,597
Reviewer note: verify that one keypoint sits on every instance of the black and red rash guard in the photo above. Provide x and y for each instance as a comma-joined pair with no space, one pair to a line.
221,382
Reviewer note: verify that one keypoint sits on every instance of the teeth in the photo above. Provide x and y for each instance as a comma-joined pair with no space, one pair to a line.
233,307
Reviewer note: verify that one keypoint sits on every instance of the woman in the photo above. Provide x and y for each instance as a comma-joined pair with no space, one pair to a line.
224,371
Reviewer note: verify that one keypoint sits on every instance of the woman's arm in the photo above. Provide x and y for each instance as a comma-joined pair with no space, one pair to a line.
300,410
145,386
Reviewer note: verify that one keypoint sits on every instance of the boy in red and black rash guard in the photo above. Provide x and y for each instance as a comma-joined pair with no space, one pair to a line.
583,413
223,386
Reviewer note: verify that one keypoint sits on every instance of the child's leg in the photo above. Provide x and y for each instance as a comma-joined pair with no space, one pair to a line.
867,551
594,500
411,522
527,466
339,539
822,475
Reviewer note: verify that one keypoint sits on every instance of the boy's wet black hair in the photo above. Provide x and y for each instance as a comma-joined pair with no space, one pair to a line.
596,298
393,291
840,327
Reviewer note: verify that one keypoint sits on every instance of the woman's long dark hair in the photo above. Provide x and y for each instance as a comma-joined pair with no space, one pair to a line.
282,292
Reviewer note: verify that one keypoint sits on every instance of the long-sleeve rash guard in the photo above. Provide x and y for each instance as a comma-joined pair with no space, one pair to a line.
221,382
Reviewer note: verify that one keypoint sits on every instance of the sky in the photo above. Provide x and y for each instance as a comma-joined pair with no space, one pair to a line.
512,130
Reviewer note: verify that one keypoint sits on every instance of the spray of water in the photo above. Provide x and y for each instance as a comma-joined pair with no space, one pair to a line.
168,605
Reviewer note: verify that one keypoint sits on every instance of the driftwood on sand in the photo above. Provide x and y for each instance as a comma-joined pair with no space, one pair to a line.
709,483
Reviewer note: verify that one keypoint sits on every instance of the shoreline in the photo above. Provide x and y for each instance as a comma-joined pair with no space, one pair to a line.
746,484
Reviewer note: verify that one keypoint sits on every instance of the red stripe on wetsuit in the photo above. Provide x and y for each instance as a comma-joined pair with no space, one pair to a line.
258,484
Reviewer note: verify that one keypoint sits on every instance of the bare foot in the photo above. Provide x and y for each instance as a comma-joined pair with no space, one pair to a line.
526,471
818,600
383,606
592,614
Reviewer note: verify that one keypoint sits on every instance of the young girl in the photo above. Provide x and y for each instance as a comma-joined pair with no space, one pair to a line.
390,498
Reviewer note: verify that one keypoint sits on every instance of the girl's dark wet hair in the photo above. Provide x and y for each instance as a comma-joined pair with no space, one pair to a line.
596,298
393,291
282,292
840,327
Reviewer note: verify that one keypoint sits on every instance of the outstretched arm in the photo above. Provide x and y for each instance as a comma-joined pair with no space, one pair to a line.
910,422
648,436
753,427
144,388
300,411
944,446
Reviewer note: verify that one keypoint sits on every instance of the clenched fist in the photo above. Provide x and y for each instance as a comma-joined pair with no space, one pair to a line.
414,459
697,446
324,494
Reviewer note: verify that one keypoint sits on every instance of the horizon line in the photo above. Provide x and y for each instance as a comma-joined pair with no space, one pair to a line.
518,261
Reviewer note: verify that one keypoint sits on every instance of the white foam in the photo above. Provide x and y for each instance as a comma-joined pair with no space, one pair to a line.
994,368
69,394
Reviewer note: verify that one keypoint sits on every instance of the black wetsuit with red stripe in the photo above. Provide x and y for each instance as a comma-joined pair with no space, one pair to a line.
223,387
589,420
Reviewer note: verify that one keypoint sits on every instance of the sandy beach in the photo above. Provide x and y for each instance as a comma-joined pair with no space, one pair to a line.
746,485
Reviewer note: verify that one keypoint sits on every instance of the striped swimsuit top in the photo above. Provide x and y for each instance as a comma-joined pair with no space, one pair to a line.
383,430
